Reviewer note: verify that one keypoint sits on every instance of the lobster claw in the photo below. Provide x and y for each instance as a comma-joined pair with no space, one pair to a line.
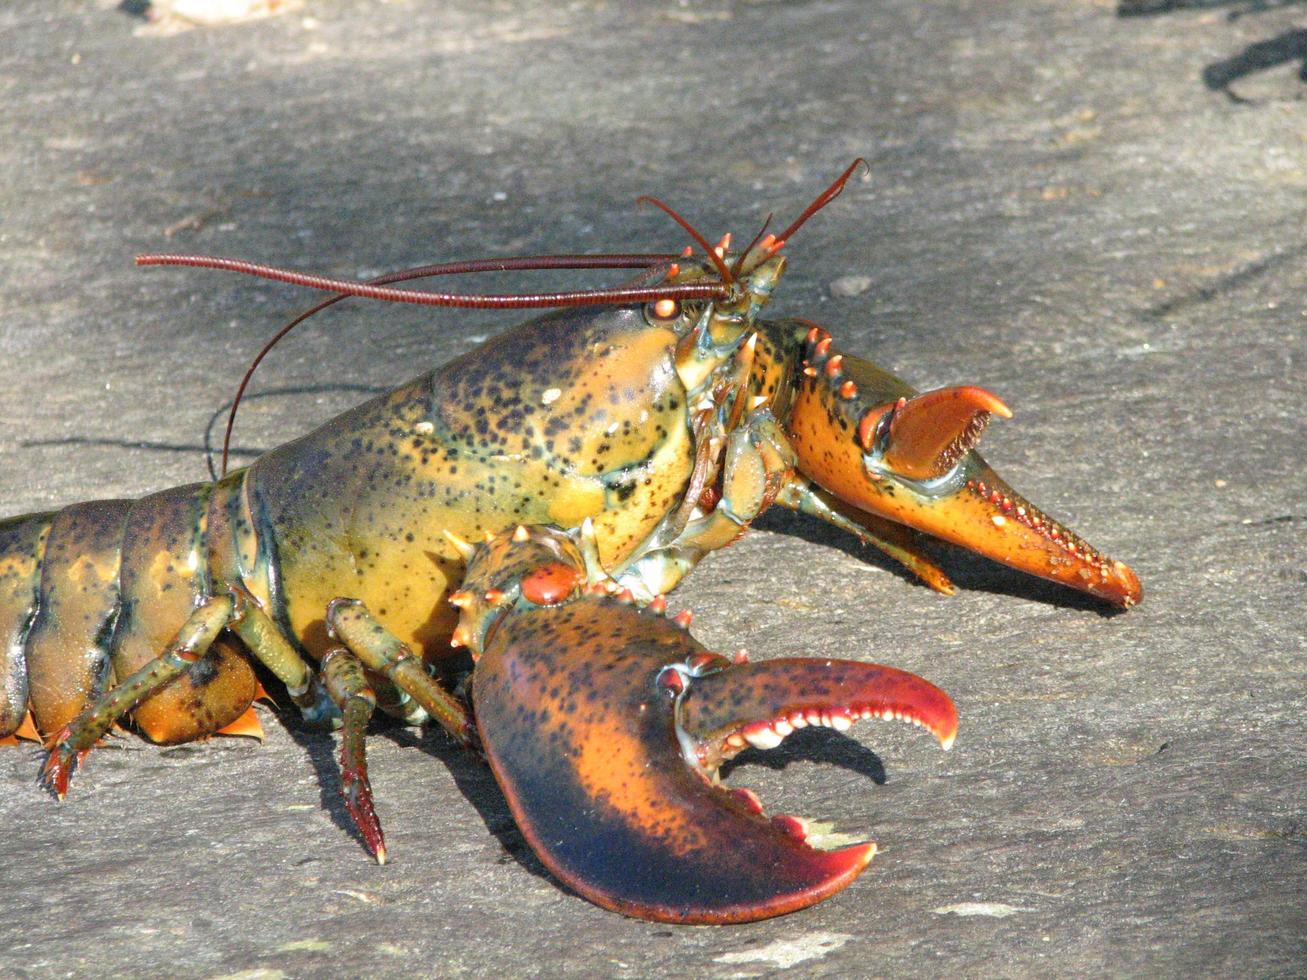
604,725
924,435
885,451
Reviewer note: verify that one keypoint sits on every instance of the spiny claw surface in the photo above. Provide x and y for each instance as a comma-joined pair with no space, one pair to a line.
578,708
914,462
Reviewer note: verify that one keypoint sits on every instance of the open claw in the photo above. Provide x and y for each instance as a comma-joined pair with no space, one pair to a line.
593,714
759,704
867,438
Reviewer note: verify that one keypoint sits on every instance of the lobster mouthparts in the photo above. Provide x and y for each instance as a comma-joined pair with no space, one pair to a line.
605,724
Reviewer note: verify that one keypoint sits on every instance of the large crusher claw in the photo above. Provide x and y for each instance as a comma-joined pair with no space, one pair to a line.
605,723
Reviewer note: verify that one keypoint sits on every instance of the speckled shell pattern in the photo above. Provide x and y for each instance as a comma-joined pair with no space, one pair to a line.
574,415
97,590
581,736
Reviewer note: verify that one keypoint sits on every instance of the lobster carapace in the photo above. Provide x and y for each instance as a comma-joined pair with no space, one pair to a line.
533,501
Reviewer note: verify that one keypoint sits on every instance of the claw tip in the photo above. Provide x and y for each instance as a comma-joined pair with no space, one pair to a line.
869,853
856,857
1132,591
996,406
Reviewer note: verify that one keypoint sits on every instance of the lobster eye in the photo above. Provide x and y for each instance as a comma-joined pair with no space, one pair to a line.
663,310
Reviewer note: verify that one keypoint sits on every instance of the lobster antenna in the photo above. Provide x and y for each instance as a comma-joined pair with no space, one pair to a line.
824,198
650,263
711,252
739,262
492,301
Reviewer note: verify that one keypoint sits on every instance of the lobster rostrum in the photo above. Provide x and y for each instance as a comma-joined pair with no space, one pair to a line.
533,502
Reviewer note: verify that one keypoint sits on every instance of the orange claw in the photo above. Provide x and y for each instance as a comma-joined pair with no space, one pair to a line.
912,460
617,799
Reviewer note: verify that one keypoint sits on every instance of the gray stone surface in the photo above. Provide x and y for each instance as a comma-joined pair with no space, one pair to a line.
1099,217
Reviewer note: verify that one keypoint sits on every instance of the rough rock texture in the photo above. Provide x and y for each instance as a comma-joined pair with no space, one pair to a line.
1098,216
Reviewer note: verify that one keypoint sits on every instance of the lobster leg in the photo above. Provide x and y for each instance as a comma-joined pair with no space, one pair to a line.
71,744
351,622
896,540
604,724
235,610
348,687
267,642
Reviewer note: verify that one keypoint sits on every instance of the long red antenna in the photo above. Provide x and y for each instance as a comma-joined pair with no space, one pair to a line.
347,287
377,288
512,264
739,262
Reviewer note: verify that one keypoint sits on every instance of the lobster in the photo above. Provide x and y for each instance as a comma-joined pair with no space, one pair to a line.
533,502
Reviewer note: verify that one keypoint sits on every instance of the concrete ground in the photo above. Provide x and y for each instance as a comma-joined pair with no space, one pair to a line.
1096,212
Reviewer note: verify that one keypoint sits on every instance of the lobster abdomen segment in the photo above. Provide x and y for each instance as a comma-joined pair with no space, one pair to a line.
93,591
70,641
165,568
22,546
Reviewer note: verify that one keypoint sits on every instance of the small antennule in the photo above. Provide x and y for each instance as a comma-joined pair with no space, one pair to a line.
824,198
717,260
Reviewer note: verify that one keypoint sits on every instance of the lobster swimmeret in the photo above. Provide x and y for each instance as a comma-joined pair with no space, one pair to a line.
534,501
